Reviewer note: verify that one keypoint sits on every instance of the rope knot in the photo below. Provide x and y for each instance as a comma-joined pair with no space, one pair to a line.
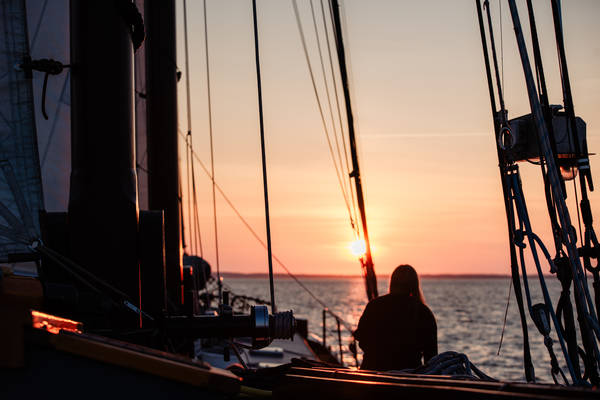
47,65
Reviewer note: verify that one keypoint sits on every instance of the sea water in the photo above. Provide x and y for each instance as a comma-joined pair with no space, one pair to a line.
469,313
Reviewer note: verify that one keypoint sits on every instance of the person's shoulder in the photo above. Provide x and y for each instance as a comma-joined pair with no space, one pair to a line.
385,299
426,311
377,303
425,308
389,301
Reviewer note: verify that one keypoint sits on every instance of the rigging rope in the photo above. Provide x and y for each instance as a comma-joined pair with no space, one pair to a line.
587,318
503,162
346,324
590,246
501,43
195,209
193,216
534,310
366,261
326,85
84,276
189,190
548,116
314,85
354,216
216,187
499,86
212,157
586,315
264,157
189,125
505,316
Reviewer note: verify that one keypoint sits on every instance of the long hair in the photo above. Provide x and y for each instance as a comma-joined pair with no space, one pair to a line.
405,282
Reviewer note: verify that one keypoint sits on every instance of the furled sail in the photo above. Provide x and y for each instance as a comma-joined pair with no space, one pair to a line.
20,181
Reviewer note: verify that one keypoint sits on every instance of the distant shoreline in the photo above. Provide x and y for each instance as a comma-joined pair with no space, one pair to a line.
333,276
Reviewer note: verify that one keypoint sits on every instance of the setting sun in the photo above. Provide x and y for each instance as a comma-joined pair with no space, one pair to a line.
358,247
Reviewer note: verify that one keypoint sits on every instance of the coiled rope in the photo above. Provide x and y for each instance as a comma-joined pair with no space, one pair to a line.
450,363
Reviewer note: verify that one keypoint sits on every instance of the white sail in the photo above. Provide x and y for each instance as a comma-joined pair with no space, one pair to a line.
20,182
48,23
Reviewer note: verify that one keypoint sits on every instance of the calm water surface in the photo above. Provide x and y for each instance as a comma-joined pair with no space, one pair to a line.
469,313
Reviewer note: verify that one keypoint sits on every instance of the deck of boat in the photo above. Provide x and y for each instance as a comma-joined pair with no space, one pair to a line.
327,383
279,352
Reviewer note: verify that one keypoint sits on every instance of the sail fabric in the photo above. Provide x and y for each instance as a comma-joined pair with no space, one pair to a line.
140,120
48,28
20,177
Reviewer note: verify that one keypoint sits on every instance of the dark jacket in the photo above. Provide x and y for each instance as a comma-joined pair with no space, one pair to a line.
396,332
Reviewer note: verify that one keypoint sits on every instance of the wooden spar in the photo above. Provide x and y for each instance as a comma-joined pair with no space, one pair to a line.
163,158
103,203
367,260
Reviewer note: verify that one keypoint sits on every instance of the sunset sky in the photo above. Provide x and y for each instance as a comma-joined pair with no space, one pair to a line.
425,138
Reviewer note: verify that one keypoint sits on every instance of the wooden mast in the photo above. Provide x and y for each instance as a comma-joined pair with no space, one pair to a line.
103,203
367,260
163,157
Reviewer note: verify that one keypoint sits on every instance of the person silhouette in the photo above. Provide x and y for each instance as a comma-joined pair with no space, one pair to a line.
397,331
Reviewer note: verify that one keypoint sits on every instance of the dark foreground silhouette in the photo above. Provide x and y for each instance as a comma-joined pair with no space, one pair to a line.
398,330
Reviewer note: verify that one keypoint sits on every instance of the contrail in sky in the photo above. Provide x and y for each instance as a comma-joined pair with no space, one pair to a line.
424,135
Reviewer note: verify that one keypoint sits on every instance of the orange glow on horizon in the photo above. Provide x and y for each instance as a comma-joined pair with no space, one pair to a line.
433,196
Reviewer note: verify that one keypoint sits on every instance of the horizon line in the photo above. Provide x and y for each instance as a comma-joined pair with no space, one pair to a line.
280,275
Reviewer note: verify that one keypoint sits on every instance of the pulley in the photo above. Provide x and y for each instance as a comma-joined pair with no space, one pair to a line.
525,144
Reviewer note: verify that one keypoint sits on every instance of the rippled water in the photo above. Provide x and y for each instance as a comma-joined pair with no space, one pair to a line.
469,313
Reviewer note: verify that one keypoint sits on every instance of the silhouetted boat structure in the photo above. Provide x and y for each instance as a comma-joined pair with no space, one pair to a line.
108,308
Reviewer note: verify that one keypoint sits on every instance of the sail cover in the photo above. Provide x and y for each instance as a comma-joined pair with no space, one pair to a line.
20,182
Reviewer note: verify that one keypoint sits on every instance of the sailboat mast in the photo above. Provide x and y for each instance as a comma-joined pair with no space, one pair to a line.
367,260
163,152
103,203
